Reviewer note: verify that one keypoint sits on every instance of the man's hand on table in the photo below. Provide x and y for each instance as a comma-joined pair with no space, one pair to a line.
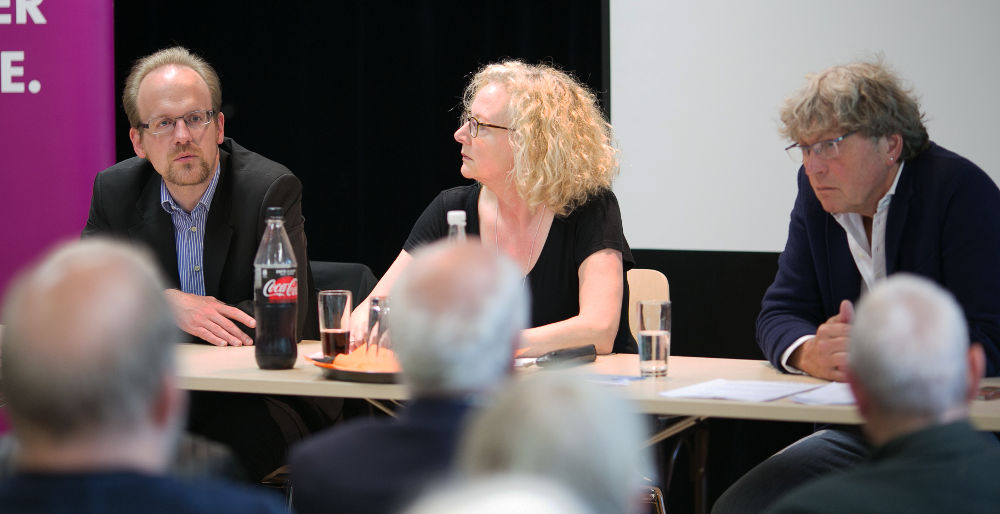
825,356
209,319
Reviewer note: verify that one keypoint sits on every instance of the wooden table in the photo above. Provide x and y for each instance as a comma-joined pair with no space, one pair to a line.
211,368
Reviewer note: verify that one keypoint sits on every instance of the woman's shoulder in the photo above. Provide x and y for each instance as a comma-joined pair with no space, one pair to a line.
601,201
458,197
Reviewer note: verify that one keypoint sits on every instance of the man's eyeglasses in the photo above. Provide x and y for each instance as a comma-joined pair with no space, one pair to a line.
474,124
824,149
195,121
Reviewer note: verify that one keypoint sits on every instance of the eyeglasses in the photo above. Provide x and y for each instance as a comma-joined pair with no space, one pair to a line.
195,121
824,149
474,124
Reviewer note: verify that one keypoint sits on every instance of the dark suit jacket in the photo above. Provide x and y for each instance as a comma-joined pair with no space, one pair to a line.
376,465
126,204
943,224
127,491
948,468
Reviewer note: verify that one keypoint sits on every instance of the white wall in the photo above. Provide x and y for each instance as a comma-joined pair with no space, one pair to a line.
696,86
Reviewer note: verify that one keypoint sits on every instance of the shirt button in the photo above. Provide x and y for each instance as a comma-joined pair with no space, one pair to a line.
197,268
194,229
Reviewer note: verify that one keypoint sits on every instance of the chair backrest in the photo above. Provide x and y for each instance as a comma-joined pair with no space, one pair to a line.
355,277
644,284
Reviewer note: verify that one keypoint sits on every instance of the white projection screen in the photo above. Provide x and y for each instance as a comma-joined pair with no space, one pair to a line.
696,87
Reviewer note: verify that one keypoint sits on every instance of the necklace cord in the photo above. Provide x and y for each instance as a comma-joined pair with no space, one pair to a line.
531,249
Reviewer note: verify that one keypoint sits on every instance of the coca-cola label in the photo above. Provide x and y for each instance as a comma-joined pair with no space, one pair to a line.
281,290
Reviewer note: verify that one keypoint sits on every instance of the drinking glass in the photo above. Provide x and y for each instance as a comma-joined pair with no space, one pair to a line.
335,321
654,337
378,322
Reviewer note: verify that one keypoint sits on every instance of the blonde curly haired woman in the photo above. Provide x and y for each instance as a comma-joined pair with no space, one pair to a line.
542,158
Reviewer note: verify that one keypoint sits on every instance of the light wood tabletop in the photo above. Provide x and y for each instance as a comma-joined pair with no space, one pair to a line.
233,369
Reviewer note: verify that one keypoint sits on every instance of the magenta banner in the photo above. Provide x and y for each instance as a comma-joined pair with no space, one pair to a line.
57,113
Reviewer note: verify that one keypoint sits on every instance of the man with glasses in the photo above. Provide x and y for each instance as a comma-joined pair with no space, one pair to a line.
876,197
197,200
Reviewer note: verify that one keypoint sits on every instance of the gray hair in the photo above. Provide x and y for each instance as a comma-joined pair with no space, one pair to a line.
456,312
908,347
178,56
500,493
558,425
88,340
863,96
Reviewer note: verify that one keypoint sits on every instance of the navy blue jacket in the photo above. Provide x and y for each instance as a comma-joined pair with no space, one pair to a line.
944,224
127,491
377,465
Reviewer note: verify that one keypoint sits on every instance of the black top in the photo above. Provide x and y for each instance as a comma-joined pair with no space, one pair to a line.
554,280
126,491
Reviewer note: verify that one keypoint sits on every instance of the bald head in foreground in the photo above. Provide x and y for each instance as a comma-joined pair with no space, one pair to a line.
457,316
88,374
913,374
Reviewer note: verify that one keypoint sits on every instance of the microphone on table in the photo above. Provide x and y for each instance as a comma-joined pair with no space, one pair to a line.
567,357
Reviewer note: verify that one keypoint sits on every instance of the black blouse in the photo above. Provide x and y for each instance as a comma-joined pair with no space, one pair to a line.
554,280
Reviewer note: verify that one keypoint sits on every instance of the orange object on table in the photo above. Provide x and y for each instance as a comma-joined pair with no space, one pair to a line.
368,360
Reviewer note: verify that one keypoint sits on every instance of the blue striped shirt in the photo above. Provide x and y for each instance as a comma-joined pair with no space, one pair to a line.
189,236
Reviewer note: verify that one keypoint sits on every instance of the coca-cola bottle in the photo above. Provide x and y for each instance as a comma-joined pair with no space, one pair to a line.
275,296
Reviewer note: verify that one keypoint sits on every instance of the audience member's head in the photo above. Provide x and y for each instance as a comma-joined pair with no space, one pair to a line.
862,97
563,149
456,319
558,425
500,494
88,361
911,364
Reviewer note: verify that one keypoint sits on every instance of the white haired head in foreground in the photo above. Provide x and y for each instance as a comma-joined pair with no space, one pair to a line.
500,494
558,425
457,315
910,353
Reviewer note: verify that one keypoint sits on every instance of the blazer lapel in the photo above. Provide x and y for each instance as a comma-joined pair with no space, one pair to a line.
899,209
218,229
845,280
154,228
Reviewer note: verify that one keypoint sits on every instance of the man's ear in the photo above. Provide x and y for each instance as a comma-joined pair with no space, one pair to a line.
894,147
977,367
220,121
170,404
136,137
860,395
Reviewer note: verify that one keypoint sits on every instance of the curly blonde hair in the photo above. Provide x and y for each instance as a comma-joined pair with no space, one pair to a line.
865,97
563,148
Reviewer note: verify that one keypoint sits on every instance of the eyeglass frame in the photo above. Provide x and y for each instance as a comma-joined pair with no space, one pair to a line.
474,122
209,115
811,148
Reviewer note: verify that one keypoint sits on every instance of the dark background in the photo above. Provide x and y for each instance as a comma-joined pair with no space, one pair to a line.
360,99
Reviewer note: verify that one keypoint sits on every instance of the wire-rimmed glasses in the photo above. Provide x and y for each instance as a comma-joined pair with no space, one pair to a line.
824,149
474,124
195,121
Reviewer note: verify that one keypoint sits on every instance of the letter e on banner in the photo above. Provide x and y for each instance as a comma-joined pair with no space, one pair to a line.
9,71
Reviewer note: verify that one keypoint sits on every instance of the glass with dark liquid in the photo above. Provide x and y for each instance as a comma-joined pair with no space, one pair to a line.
335,340
334,321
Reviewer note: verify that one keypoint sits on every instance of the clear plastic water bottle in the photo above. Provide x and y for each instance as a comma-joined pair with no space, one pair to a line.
276,292
456,227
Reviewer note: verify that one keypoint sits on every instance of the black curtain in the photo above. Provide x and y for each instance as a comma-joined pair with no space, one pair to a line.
359,98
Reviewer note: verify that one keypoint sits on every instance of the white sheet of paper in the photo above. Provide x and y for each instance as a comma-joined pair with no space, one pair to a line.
834,393
741,390
612,380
